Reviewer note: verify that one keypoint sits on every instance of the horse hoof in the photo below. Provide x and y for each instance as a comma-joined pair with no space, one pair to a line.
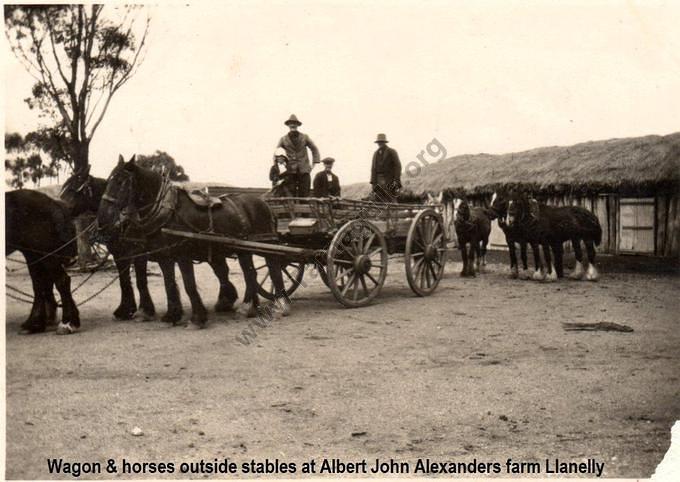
592,274
30,329
173,318
283,306
66,329
123,313
538,275
525,274
192,325
578,272
224,307
145,315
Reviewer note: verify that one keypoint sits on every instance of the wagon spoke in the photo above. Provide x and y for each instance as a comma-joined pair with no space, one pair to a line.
432,272
266,277
438,238
343,261
370,276
363,285
260,267
421,253
350,282
367,246
344,273
289,276
355,291
374,252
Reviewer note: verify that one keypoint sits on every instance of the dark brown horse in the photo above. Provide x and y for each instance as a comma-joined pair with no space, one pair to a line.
473,226
514,235
142,202
41,228
551,226
82,193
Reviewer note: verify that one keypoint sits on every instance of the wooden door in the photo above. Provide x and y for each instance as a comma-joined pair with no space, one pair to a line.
636,225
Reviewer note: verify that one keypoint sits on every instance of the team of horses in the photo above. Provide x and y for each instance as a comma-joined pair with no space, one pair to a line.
134,204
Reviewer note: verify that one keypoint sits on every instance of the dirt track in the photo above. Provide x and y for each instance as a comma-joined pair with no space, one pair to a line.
482,369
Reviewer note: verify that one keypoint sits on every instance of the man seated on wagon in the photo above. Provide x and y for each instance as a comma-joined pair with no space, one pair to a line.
280,176
327,184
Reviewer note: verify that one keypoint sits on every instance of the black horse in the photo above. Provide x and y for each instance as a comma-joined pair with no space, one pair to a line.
514,235
41,228
142,202
82,193
473,226
551,226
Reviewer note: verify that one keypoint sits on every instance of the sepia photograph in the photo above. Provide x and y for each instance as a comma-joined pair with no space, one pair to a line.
321,239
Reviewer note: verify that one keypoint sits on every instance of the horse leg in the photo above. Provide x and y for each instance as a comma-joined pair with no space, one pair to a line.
127,307
142,280
471,260
578,272
463,254
282,301
558,249
70,318
199,315
250,276
591,274
228,294
539,274
174,313
50,306
478,252
514,271
485,242
36,320
523,254
551,275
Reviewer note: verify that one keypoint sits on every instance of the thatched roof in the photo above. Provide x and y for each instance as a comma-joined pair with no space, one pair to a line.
627,166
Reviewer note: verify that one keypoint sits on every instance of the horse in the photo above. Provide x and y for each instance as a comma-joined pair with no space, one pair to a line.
142,202
82,193
473,226
551,226
499,210
42,229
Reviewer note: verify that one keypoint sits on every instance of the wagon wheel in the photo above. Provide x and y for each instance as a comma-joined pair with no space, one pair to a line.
425,254
292,271
356,263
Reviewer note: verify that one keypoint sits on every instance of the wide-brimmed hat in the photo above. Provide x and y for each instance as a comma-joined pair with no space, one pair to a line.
381,138
292,120
328,160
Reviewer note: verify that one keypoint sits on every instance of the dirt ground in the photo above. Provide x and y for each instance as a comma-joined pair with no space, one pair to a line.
482,369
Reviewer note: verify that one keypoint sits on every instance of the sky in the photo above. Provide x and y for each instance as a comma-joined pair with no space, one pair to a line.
219,80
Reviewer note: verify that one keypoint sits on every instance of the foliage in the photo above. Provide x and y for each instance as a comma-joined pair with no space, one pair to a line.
26,159
79,59
162,162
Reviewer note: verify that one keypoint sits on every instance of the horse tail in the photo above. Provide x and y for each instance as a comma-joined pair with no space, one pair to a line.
589,224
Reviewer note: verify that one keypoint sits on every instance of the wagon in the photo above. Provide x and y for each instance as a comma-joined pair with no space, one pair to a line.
349,243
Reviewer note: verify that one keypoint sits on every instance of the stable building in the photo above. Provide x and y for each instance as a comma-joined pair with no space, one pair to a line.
632,185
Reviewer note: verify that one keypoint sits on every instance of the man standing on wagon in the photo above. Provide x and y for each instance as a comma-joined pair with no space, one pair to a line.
385,171
296,143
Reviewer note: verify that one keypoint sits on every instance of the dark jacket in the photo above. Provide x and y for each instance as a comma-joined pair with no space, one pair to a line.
297,151
322,188
386,163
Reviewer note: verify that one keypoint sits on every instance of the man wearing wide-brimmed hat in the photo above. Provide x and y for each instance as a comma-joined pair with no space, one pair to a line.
296,143
385,171
326,183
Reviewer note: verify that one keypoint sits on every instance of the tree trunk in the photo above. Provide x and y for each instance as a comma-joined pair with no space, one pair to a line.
85,255
81,155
